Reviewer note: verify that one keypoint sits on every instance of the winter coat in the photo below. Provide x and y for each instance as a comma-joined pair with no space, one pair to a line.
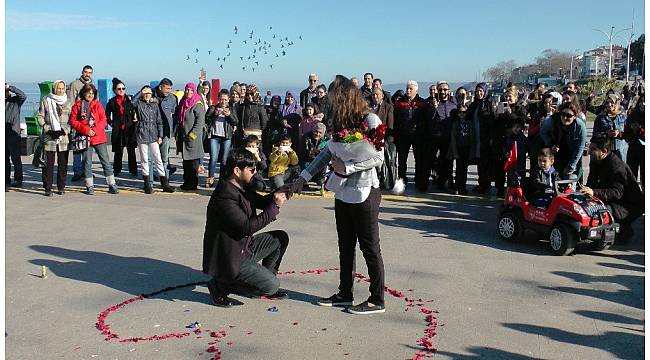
366,92
280,161
613,182
121,137
309,148
409,115
81,125
324,105
167,106
148,122
55,142
481,113
307,96
251,116
453,152
189,137
386,114
230,121
231,222
553,133
12,108
604,123
438,119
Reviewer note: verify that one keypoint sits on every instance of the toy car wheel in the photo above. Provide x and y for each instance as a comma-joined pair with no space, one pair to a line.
509,226
562,239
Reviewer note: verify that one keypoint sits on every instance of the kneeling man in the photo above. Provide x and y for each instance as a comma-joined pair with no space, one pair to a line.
612,181
231,249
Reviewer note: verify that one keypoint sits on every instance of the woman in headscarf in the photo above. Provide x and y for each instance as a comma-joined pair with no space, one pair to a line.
53,117
190,117
611,122
89,119
119,114
251,115
205,91
290,116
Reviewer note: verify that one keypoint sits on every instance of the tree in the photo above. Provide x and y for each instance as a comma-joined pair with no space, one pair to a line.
554,62
636,52
501,72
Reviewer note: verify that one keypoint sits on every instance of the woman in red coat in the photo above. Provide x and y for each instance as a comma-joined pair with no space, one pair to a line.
88,118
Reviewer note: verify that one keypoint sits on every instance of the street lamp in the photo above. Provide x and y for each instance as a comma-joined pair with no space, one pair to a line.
609,38
573,55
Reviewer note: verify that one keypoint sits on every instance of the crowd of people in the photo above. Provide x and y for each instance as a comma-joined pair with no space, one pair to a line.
447,131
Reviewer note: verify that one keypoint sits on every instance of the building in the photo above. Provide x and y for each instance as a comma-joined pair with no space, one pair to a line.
595,62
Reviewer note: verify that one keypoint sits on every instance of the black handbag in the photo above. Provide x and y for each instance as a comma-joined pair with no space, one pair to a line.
80,142
387,172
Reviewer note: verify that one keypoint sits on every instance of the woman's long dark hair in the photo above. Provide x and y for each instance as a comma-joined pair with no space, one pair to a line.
349,106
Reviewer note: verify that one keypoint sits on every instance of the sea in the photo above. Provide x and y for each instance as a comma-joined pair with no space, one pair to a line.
30,107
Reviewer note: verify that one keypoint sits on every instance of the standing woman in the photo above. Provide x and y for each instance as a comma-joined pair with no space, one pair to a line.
88,119
611,122
190,117
356,188
205,91
53,117
119,114
149,135
219,124
290,116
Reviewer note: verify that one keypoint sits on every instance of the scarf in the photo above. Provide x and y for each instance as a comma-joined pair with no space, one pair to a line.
186,103
86,114
286,109
53,102
120,102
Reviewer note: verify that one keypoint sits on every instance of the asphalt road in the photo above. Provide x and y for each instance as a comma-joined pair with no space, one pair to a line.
490,299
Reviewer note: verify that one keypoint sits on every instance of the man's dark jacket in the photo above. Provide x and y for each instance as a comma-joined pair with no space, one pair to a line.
614,184
231,221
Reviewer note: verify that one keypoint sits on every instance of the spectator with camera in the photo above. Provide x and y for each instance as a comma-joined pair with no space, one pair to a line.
510,115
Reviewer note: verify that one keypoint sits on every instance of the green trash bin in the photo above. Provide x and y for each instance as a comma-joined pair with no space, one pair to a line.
45,87
33,127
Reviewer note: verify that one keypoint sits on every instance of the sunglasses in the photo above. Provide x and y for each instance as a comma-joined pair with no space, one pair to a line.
120,88
253,169
312,80
567,115
146,93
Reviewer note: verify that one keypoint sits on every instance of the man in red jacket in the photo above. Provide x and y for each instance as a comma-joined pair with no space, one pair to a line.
231,249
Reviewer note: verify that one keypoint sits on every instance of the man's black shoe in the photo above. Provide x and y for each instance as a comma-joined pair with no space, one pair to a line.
225,302
335,300
366,308
279,295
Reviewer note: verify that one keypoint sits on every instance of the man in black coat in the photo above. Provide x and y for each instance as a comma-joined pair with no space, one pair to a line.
612,181
231,249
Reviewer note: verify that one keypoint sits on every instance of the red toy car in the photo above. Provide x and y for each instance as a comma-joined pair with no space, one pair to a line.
569,218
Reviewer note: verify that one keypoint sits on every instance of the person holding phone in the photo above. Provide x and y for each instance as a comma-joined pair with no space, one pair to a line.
611,122
220,120
284,164
512,113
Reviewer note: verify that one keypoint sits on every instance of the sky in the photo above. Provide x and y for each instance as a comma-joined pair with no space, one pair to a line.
139,41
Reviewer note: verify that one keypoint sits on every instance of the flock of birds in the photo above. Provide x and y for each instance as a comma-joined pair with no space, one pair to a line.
254,51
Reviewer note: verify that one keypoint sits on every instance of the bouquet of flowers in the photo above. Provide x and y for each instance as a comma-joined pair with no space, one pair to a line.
358,144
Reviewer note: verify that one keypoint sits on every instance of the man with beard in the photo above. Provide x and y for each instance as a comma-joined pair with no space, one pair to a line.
73,95
439,121
231,248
